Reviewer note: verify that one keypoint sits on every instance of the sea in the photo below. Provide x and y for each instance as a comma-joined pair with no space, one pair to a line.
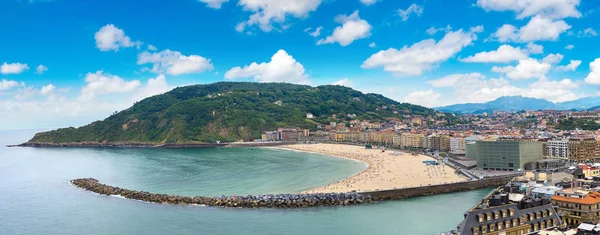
36,197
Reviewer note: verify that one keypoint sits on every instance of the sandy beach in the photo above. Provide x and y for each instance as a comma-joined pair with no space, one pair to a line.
385,170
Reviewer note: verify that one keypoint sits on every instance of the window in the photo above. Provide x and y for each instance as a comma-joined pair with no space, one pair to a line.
492,227
475,230
512,212
497,215
500,226
480,216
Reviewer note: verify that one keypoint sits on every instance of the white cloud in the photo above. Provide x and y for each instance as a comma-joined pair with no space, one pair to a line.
594,76
427,98
372,45
572,66
537,29
368,2
555,91
282,68
589,32
41,69
569,47
102,83
553,58
154,86
526,69
316,33
152,48
534,48
352,28
554,9
111,38
13,68
421,56
344,82
412,9
540,28
266,13
59,111
506,33
456,79
216,4
174,63
8,84
504,54
47,89
432,30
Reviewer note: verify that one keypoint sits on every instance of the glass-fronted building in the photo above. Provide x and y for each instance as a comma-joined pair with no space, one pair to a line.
506,155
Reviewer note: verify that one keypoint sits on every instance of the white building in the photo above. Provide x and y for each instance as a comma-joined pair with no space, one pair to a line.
310,116
457,144
558,148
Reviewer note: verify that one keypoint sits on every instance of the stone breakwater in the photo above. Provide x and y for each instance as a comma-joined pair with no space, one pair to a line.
259,201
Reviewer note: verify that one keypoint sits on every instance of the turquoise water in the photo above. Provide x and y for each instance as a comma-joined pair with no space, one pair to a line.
35,197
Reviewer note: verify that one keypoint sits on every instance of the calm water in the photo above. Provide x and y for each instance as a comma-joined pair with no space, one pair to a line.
35,197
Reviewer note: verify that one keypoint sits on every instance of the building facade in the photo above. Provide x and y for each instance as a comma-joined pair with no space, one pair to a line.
558,149
506,155
582,149
457,144
577,206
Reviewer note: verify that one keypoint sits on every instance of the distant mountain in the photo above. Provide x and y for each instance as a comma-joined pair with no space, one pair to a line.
518,103
231,111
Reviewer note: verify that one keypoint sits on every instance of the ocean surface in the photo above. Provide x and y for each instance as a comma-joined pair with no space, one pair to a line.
35,197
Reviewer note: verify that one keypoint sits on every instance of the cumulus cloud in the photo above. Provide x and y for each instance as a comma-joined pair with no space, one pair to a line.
553,58
589,32
569,47
432,30
344,82
412,9
537,29
40,69
526,69
99,83
266,13
554,9
504,54
534,48
216,4
315,33
572,66
47,89
60,111
13,68
555,91
594,75
111,38
174,63
282,68
368,2
427,98
8,84
372,45
352,28
421,56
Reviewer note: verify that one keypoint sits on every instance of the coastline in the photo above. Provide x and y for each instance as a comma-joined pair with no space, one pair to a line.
144,145
384,171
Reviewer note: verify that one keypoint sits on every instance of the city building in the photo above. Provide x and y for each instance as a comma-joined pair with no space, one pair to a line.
457,144
411,140
506,155
577,206
508,210
582,149
558,148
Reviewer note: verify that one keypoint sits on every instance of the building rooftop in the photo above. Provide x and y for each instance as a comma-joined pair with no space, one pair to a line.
577,196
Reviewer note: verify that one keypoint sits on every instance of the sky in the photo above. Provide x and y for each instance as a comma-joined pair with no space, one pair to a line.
70,62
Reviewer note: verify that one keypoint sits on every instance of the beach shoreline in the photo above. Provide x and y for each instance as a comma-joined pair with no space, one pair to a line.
384,171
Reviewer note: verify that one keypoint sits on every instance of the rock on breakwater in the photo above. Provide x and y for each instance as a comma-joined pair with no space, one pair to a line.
258,201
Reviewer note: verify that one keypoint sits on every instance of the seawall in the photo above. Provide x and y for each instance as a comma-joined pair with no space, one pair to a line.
438,189
289,200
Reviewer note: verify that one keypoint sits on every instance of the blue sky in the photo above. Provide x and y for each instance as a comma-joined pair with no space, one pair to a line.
69,62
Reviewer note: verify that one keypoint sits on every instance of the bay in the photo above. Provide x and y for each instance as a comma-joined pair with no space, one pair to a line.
35,197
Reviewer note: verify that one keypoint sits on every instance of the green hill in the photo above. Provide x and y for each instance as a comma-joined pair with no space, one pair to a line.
231,111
